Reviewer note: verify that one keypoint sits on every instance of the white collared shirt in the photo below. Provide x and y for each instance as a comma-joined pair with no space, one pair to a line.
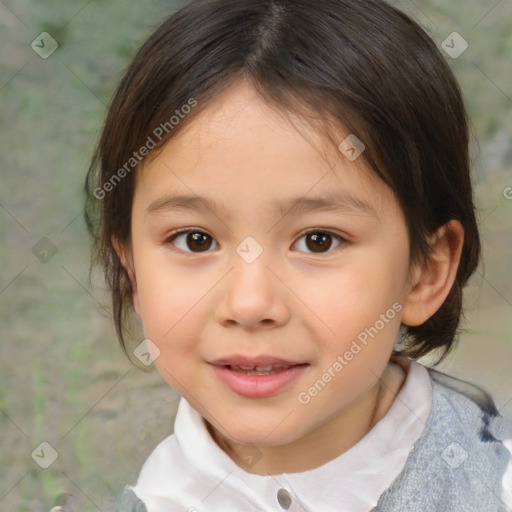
189,472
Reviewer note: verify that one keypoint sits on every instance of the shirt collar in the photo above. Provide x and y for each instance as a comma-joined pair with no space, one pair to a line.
353,481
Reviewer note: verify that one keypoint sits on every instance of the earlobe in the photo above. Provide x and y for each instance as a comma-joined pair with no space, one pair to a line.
432,282
127,262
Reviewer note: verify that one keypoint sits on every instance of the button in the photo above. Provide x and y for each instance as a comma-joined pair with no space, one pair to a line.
284,498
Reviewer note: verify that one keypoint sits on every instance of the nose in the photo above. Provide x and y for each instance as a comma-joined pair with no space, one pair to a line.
252,296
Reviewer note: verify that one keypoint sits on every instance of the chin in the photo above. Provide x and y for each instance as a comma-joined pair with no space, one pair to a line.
263,434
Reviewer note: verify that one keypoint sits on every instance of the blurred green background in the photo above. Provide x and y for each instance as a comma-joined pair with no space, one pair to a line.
63,378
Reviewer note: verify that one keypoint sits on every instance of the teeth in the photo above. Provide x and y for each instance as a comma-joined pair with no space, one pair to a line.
259,370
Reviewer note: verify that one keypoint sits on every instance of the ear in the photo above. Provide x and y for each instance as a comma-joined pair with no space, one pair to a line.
432,282
126,258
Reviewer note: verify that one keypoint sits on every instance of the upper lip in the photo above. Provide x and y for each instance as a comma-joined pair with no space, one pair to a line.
263,360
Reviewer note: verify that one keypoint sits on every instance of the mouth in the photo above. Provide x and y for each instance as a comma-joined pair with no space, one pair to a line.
261,365
259,370
257,377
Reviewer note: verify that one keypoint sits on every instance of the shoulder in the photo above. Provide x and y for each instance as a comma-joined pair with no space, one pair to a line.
466,410
459,461
165,463
165,456
167,473
452,386
129,502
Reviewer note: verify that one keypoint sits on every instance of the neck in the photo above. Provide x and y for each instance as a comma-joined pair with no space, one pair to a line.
331,439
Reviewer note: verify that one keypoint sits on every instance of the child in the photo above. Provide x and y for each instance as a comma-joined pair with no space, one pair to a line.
282,194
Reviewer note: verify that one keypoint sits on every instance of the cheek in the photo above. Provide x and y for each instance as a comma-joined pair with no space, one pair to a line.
172,301
352,297
357,316
168,313
173,322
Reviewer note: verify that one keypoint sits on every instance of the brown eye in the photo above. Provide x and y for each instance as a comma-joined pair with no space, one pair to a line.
318,241
191,241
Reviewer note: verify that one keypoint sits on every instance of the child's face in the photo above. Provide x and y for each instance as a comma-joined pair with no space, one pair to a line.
304,299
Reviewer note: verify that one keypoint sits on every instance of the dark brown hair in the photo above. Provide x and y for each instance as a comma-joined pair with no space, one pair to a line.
363,65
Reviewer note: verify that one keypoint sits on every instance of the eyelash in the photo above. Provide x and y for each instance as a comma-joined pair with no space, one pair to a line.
172,237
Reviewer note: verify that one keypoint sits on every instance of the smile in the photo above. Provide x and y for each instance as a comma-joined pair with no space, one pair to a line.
258,381
258,370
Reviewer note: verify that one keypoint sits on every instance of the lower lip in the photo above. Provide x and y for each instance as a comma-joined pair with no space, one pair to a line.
258,386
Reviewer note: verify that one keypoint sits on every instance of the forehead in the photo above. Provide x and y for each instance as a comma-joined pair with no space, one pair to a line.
240,141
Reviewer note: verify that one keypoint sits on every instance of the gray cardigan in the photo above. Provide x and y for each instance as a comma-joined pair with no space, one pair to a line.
456,465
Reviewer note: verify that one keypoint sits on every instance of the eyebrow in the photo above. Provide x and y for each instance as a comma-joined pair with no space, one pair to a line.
340,202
